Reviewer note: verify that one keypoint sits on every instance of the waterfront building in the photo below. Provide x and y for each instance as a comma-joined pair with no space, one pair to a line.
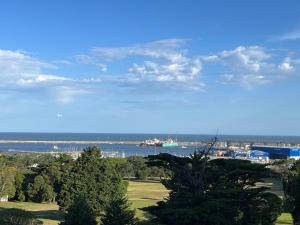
279,152
259,156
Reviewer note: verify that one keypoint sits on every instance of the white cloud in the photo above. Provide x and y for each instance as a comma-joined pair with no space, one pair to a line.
247,81
20,72
86,59
249,66
286,65
294,35
67,94
42,78
168,62
170,71
250,58
162,61
169,49
18,64
15,65
62,62
151,67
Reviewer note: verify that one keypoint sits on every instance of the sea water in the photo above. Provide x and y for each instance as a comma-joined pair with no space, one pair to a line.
123,149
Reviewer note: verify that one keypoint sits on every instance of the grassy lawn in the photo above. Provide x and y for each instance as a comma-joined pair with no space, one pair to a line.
143,194
48,213
285,219
140,194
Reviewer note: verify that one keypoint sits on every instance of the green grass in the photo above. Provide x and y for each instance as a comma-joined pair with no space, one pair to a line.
143,194
284,219
140,194
47,213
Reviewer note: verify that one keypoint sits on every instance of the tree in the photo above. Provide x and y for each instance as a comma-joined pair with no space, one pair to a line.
92,178
141,171
7,180
122,166
52,168
40,190
214,192
118,212
19,185
291,184
80,213
17,217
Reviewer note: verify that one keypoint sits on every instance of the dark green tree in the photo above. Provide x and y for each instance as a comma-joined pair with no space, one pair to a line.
52,167
80,213
92,178
19,185
214,192
40,190
123,167
291,184
140,169
118,212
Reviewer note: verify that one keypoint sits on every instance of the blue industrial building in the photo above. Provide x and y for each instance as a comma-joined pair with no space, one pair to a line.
259,154
278,152
240,154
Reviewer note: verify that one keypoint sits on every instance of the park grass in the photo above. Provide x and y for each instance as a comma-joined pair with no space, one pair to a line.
48,213
285,219
140,194
143,194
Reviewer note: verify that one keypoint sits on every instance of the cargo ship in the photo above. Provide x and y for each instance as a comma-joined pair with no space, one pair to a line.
158,143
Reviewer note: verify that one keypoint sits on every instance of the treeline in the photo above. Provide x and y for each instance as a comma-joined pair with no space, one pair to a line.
92,190
39,177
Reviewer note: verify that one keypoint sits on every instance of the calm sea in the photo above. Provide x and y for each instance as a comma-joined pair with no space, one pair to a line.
124,149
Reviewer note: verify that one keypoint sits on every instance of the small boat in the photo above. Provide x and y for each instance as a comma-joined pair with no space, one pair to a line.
183,146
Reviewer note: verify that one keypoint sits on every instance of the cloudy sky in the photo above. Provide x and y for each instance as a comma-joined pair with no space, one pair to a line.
150,66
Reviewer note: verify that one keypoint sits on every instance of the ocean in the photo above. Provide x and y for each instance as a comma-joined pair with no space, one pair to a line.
123,149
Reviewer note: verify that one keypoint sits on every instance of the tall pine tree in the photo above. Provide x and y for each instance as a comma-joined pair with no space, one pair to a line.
118,212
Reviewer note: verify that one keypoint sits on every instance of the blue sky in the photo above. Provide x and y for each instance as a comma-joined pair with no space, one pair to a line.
150,66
